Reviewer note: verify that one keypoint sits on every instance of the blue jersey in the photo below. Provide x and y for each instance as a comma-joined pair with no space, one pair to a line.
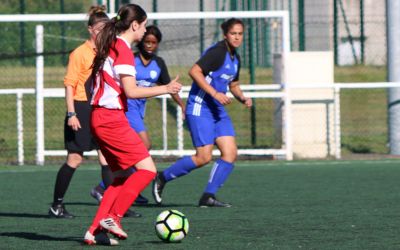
220,68
155,72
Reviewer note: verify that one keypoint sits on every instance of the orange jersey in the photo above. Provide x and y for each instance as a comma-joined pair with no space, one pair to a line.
79,70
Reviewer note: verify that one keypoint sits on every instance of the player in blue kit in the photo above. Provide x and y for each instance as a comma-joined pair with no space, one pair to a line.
151,70
207,119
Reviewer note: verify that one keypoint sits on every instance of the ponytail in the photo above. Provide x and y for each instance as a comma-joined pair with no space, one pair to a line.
108,35
104,41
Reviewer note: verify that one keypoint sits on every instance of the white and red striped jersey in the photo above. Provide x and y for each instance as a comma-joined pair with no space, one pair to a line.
107,87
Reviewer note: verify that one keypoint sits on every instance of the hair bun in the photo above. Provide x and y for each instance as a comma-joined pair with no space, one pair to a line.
97,9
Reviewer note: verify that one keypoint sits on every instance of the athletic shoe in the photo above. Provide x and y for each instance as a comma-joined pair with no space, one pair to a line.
158,186
141,199
97,193
132,214
113,226
59,211
211,201
99,239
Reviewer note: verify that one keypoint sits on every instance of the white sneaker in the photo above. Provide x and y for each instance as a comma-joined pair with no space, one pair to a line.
114,227
99,239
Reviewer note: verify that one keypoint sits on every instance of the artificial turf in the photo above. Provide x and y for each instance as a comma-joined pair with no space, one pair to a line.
276,205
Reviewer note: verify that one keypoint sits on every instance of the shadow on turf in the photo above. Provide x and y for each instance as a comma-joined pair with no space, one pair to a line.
24,215
156,242
35,236
136,205
164,205
81,203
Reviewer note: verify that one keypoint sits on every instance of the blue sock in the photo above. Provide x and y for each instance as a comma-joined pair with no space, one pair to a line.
101,184
219,173
181,167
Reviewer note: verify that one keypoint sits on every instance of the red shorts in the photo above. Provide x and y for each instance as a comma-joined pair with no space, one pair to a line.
119,143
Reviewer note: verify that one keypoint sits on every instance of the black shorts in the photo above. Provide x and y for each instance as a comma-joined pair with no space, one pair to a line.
81,140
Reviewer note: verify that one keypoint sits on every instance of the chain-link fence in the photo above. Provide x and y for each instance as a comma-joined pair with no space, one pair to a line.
364,121
360,55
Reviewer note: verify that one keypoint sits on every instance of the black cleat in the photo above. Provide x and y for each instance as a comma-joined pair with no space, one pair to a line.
141,199
132,214
101,238
158,186
211,201
59,211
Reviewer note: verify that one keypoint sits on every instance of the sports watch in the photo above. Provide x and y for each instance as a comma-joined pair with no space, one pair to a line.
71,114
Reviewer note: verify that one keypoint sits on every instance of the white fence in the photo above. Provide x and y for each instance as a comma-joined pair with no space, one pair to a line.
42,93
254,91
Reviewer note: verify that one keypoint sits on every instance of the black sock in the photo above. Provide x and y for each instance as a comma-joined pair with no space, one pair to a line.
107,175
64,177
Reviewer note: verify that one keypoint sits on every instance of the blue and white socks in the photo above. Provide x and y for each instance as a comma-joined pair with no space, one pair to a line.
181,167
219,173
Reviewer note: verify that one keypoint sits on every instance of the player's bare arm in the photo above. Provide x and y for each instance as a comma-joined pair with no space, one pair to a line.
133,91
73,121
178,100
237,92
197,75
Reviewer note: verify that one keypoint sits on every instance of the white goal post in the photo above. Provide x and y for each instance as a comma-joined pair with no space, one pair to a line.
254,91
284,15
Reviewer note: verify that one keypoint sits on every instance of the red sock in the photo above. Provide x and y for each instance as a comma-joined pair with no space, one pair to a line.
107,202
130,190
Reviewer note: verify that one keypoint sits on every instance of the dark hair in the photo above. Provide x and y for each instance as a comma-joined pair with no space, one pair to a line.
228,24
97,14
121,22
150,30
153,30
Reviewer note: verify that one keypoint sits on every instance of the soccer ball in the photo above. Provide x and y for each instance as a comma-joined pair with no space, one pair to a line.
171,226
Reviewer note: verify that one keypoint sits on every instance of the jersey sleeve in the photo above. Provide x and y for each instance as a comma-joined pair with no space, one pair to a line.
124,63
164,77
212,60
238,70
74,67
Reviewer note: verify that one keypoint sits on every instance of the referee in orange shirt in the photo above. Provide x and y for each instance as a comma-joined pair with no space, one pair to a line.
77,134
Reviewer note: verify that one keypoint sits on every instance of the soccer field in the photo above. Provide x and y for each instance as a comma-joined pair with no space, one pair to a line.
276,205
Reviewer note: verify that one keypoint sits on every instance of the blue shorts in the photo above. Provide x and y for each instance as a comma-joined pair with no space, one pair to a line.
204,130
136,121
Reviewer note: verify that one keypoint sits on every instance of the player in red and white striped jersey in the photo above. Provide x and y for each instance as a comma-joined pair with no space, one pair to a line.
114,74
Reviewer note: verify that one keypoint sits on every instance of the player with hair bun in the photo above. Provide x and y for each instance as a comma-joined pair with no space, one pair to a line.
77,134
208,122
